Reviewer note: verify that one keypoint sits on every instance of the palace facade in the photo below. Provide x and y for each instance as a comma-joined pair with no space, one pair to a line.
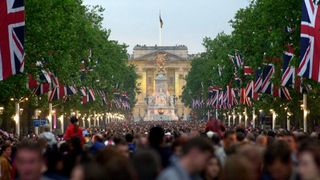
176,66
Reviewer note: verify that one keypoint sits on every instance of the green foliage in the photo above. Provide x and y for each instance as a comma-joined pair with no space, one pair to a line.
260,36
61,34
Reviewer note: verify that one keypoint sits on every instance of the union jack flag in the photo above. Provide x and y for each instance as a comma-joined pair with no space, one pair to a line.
70,90
247,70
258,80
249,93
310,41
281,92
43,88
288,71
11,37
266,86
234,94
213,93
32,83
236,60
220,100
57,93
89,96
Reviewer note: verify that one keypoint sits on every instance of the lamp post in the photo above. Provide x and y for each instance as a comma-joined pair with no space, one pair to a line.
50,116
61,118
240,118
274,116
17,118
305,112
234,117
245,118
253,118
289,114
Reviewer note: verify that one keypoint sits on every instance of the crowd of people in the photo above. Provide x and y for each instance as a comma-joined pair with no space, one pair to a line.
167,150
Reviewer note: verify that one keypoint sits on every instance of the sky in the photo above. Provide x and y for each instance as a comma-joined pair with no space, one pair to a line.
186,22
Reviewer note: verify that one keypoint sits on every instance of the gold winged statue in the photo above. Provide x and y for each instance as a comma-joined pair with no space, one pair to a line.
161,60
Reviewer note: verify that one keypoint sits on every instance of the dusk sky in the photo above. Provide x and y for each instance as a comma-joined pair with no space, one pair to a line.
186,22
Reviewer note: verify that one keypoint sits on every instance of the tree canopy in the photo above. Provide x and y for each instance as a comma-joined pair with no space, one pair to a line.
260,33
65,35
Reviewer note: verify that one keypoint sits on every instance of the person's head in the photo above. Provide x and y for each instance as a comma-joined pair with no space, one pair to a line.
262,140
97,138
229,139
254,155
114,164
87,171
237,167
147,164
122,147
197,151
277,160
177,145
129,138
29,160
309,160
156,136
213,169
240,136
6,149
291,140
47,128
73,120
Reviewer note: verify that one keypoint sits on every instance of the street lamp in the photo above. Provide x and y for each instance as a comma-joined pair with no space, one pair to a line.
289,114
274,116
1,109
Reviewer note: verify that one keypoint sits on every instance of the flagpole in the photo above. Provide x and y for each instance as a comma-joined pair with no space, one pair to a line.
160,35
160,29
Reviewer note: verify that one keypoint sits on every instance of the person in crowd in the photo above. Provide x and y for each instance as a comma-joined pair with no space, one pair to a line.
292,142
262,140
72,156
195,155
229,140
254,154
48,136
156,141
213,169
73,130
216,126
6,170
114,164
122,146
237,167
309,160
87,171
278,163
147,164
97,143
29,161
131,145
